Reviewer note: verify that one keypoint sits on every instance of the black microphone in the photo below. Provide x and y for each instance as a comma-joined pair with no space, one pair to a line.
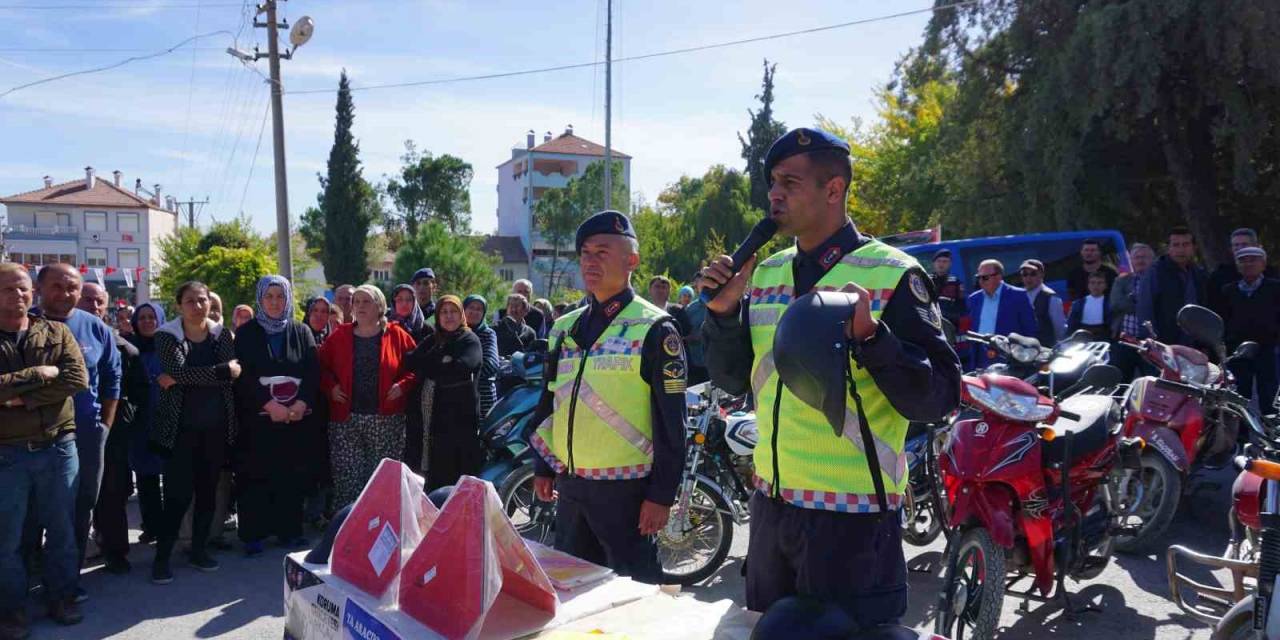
760,234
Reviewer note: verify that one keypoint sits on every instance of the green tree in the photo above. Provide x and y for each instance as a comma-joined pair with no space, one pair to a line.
558,212
461,267
348,204
1139,114
232,272
431,187
764,129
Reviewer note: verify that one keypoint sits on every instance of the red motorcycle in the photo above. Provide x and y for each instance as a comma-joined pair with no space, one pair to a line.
1185,431
1029,492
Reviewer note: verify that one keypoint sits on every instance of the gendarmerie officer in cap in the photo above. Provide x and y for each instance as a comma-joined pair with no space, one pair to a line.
950,290
611,420
825,516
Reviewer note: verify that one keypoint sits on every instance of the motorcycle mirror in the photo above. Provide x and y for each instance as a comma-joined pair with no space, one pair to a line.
1246,351
1201,323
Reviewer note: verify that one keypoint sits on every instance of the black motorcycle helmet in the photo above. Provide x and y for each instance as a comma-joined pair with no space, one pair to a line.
804,617
811,351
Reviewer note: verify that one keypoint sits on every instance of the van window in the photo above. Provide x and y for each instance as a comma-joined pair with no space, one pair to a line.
1059,255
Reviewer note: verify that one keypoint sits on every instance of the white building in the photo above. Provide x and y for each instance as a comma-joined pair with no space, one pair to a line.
555,162
94,224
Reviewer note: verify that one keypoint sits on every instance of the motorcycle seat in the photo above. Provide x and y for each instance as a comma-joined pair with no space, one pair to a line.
1088,435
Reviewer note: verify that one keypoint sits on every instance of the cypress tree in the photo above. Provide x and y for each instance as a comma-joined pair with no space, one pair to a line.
764,130
348,204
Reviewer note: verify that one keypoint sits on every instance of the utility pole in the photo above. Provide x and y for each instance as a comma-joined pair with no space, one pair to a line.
608,111
298,36
284,256
191,209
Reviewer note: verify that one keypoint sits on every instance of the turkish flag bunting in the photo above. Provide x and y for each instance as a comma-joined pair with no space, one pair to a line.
84,268
111,270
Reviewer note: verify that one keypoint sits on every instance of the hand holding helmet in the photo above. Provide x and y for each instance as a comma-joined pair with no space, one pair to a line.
861,325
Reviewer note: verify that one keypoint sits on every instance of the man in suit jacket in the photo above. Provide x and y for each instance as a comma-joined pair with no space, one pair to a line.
998,308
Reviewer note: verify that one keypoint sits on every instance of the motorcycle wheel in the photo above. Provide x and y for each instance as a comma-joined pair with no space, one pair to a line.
975,588
533,518
1237,624
1161,490
920,523
692,551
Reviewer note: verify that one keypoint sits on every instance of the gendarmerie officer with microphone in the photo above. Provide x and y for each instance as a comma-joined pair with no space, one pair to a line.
825,516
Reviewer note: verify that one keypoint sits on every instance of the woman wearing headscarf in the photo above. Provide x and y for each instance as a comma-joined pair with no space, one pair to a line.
274,393
450,358
362,372
316,316
146,465
405,310
195,422
475,307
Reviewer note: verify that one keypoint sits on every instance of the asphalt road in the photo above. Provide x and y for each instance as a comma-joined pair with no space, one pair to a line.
244,598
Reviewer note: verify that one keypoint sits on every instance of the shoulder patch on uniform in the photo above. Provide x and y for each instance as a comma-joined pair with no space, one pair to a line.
673,369
671,344
930,314
918,288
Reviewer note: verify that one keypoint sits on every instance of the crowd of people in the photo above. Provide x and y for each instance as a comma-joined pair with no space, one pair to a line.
1143,302
276,420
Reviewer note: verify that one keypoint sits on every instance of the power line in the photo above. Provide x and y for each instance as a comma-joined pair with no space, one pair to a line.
114,65
88,50
262,127
108,6
645,56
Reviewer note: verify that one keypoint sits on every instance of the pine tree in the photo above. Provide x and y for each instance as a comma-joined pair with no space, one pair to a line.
348,204
764,130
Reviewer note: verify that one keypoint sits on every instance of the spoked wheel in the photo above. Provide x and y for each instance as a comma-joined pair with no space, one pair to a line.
1149,502
697,538
533,518
974,586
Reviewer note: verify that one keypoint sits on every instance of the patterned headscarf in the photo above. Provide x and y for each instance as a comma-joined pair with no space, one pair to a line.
306,318
415,321
457,302
274,325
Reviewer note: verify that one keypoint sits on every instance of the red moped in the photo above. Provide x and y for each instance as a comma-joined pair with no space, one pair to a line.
1029,487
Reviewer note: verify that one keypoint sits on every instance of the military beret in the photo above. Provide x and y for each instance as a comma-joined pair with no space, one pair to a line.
942,253
606,222
424,272
798,141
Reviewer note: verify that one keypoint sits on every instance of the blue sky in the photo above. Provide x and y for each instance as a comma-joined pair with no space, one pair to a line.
191,120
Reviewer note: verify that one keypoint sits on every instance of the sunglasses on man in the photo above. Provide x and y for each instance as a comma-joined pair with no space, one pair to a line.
983,277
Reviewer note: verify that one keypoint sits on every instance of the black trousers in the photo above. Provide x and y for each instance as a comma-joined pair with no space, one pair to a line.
853,560
599,520
452,454
191,473
270,488
109,516
151,504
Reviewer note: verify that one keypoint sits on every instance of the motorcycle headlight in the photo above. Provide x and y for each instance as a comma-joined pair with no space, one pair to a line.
1014,406
504,428
1192,372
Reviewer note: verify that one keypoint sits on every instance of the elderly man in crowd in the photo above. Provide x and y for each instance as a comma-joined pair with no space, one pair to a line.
1124,307
342,299
40,370
514,332
1252,312
1227,272
998,307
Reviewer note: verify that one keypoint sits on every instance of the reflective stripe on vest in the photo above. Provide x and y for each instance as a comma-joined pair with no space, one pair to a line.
610,436
816,470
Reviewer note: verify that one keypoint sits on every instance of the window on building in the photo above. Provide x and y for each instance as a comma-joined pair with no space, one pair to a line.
95,221
95,257
50,258
128,258
18,258
127,222
507,274
64,221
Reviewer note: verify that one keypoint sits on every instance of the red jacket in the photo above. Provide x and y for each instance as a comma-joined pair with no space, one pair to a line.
337,362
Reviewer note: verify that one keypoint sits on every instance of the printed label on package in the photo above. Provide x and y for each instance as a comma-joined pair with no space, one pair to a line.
358,624
387,544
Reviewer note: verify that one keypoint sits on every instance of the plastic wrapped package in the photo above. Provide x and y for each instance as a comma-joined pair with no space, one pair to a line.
386,523
470,556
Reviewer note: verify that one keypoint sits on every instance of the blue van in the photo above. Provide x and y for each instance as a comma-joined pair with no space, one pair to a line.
1058,250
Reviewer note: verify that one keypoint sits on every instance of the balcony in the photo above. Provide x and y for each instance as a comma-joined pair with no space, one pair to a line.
26,232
